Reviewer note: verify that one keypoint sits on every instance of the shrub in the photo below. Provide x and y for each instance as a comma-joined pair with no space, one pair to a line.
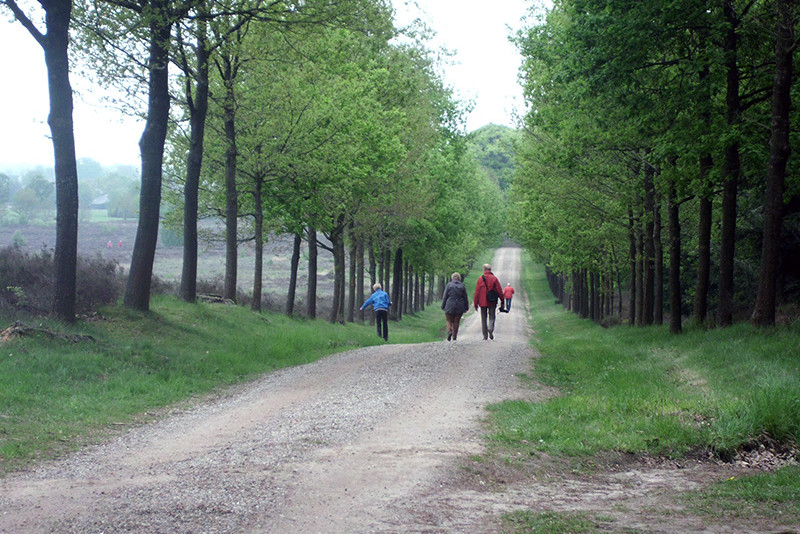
159,286
26,281
18,240
99,282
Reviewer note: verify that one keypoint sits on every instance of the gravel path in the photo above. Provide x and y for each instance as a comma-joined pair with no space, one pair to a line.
358,442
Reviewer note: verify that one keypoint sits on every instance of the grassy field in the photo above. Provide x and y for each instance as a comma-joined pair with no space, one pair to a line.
56,396
644,391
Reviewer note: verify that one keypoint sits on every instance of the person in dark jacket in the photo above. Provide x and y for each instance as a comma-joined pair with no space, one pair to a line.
380,303
455,302
487,292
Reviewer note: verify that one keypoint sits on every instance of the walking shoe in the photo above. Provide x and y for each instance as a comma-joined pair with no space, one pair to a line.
491,335
449,336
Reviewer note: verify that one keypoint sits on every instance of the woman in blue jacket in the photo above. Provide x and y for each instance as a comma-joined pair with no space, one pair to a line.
380,303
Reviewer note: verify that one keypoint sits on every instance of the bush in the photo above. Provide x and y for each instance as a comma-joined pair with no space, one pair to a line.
18,240
26,282
99,282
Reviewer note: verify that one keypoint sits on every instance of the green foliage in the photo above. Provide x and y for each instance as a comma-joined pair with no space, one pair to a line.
18,240
493,148
615,86
170,238
338,128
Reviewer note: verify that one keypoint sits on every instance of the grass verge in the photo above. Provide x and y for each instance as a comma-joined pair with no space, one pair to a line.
526,522
645,391
55,395
770,495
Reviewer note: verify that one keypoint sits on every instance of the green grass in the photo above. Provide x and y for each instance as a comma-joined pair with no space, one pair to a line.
768,495
645,390
55,396
527,522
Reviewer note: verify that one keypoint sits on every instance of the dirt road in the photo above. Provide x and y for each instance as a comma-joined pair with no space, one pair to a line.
365,441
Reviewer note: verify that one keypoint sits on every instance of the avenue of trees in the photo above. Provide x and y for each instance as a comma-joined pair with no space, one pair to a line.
654,172
318,119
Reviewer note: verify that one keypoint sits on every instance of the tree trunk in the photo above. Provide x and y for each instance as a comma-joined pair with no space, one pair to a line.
703,259
649,246
298,240
336,238
731,170
632,260
587,294
779,151
382,269
570,282
387,268
658,248
311,299
706,208
640,261
198,109
151,148
373,275
674,263
396,311
420,282
231,194
351,297
55,45
407,288
360,279
582,294
258,215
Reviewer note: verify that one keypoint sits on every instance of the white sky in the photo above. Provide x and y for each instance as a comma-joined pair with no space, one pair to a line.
484,71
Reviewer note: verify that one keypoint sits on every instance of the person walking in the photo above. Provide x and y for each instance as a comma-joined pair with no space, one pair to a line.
380,304
508,294
487,292
455,303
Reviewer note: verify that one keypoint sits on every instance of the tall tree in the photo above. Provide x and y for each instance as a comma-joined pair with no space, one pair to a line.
196,92
55,44
780,149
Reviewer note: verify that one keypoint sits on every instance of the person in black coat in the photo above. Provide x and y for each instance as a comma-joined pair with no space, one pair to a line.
455,302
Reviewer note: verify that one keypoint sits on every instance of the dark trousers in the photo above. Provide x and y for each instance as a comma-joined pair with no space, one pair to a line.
382,321
487,320
508,304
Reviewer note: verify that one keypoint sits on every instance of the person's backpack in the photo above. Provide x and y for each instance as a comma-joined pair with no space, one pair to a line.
492,296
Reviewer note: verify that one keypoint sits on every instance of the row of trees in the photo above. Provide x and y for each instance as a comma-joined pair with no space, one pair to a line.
311,118
346,142
656,156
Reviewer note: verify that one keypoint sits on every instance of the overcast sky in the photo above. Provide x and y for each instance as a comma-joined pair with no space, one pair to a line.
484,70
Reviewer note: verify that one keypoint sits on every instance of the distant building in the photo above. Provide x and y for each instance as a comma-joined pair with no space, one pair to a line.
100,203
